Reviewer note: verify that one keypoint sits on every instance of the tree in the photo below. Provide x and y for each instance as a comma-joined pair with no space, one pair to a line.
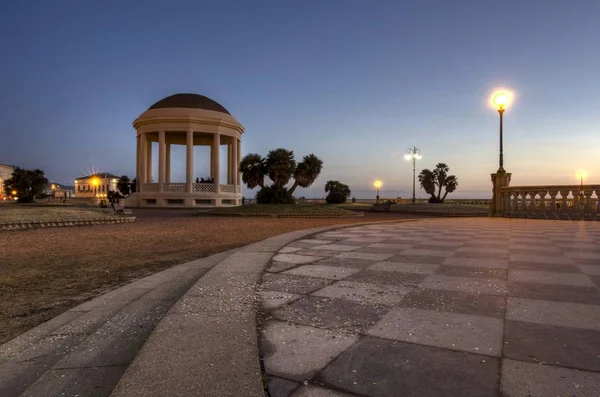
433,182
124,185
133,185
27,184
253,169
306,172
338,192
280,166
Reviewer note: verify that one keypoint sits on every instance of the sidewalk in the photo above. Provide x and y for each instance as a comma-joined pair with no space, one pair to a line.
470,307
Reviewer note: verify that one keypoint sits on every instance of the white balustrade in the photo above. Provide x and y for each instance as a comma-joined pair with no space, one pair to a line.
174,187
204,187
574,202
150,187
227,188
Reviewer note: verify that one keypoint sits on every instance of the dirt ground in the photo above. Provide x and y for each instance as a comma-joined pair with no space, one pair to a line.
44,272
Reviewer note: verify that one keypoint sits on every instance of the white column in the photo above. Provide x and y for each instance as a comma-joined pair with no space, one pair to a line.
148,156
189,169
230,163
138,162
234,162
215,161
161,160
168,164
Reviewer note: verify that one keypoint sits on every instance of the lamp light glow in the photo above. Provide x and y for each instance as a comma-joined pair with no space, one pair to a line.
377,184
501,99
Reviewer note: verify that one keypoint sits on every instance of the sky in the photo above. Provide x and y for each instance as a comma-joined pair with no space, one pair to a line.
354,82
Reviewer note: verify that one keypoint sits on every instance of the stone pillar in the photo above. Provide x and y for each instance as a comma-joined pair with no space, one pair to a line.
161,160
168,164
234,163
215,161
239,160
189,169
138,163
148,160
230,163
499,179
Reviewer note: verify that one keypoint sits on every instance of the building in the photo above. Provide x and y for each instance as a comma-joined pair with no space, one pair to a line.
96,185
5,173
188,120
58,191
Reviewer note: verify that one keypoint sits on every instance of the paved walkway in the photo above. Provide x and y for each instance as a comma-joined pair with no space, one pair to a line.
449,307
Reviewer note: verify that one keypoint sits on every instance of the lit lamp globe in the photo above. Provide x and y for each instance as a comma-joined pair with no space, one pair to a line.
377,185
501,100
95,183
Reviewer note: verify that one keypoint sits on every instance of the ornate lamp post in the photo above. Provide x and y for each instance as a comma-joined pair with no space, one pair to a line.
501,100
413,154
581,174
377,185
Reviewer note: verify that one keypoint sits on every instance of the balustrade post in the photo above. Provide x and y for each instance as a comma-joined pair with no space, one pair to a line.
563,212
542,206
553,210
500,179
587,207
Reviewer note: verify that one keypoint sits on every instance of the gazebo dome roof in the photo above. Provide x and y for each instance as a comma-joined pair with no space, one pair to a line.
189,101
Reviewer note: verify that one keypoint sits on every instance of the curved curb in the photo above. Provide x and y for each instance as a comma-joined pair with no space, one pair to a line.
265,215
207,343
63,223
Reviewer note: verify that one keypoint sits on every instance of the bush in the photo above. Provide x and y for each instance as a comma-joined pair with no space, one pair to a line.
274,195
335,197
338,192
25,199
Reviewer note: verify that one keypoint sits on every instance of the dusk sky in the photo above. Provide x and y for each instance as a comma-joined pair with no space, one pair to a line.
354,82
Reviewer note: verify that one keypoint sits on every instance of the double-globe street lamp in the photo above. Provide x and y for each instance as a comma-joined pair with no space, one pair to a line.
413,154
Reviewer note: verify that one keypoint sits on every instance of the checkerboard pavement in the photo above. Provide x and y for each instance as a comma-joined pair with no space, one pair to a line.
448,307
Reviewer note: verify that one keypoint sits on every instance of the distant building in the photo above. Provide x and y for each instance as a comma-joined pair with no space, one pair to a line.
96,185
58,191
5,173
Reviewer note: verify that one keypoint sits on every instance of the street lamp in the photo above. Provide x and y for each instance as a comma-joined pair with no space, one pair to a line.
95,183
581,174
501,100
377,185
413,154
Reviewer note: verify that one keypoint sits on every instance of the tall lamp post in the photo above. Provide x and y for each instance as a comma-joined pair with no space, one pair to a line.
413,154
501,100
377,185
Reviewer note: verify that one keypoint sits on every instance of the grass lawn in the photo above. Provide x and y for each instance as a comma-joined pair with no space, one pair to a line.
283,210
20,213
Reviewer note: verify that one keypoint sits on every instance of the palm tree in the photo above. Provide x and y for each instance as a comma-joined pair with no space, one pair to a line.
436,180
124,185
307,171
253,169
280,166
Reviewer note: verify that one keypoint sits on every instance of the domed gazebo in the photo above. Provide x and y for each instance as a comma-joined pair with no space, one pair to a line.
190,120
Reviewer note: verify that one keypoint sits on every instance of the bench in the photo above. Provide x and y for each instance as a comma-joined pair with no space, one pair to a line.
382,207
121,210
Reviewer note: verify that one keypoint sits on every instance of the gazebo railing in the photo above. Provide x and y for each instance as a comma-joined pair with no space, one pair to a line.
204,188
574,202
227,188
151,187
174,187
